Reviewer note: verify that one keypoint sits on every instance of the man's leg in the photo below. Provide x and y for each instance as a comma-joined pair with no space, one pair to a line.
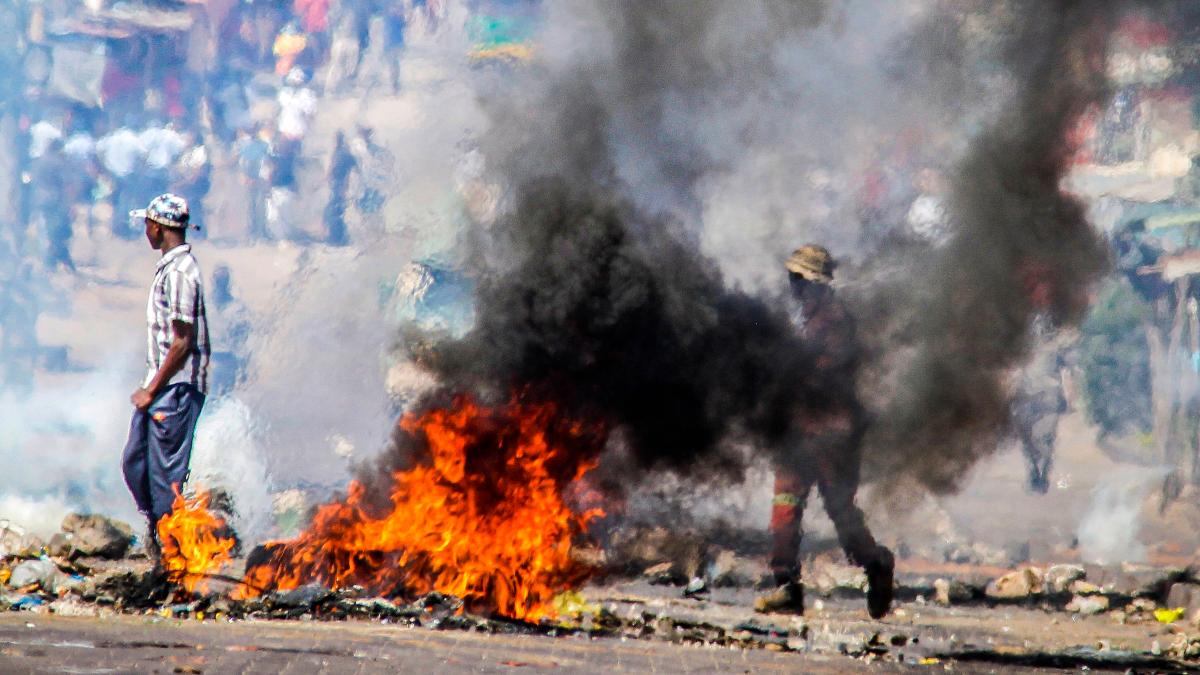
787,513
173,417
838,469
135,463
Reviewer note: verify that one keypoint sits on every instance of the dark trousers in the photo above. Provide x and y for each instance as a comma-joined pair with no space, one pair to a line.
159,449
831,463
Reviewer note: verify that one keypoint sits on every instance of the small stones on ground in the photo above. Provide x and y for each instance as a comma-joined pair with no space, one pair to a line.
1088,605
1059,578
832,577
663,574
728,569
1017,585
696,587
92,535
950,592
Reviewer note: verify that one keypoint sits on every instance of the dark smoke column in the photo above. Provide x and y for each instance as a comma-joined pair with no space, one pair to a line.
1022,247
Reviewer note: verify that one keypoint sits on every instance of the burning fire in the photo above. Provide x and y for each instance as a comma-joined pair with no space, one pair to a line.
192,545
482,517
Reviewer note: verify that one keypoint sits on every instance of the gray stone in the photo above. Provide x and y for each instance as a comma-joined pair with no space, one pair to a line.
1088,604
831,577
1060,577
642,547
729,569
1181,594
95,535
949,592
664,573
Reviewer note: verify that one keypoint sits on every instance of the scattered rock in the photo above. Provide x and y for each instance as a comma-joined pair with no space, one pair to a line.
728,569
1022,583
303,597
640,547
832,576
1059,578
949,592
1088,604
664,574
977,553
72,606
92,535
1081,587
697,586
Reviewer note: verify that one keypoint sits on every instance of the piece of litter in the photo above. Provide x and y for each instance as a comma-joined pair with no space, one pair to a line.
1165,615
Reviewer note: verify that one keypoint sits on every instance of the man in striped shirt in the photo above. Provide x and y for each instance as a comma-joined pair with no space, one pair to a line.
168,403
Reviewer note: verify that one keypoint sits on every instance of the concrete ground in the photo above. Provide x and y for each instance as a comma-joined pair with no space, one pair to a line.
660,632
45,644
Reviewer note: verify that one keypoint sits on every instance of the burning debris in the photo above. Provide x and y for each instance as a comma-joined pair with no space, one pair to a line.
704,612
195,542
480,516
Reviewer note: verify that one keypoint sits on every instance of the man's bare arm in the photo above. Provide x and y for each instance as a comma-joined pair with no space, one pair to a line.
183,338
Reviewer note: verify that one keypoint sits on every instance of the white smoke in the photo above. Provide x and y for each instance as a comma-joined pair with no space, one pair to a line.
60,448
1108,533
227,454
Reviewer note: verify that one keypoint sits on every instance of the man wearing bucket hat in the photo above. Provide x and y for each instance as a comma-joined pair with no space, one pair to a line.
825,449
168,403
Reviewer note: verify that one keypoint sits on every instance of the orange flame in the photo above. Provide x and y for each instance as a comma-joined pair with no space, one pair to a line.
483,518
192,545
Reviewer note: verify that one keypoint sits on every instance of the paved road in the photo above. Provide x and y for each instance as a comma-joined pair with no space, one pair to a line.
52,644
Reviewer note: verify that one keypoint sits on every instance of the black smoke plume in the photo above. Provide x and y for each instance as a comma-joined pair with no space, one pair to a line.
1021,247
590,299
601,306
610,314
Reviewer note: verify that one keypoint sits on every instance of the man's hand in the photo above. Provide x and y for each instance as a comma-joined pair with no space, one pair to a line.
141,399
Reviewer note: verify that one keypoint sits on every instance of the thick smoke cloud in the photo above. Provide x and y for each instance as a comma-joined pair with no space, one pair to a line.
601,304
610,314
1021,247
621,144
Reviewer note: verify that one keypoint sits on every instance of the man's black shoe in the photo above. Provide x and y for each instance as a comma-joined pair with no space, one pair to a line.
880,584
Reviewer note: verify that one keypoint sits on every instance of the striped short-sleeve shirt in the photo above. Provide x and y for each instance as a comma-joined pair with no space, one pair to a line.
177,295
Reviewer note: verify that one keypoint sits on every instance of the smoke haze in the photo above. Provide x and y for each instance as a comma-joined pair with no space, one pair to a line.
603,281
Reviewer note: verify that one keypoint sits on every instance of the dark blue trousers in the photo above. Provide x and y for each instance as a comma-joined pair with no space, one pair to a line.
160,448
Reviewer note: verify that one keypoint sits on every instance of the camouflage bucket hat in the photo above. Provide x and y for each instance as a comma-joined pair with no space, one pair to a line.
812,262
168,210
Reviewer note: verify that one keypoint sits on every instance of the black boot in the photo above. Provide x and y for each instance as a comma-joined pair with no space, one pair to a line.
880,583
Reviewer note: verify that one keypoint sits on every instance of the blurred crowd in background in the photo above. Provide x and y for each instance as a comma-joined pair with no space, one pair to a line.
105,104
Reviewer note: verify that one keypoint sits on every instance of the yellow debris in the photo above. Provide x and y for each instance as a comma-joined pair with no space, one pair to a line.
1169,615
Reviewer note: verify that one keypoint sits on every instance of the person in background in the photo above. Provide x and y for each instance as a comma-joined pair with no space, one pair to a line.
168,402
252,151
120,153
297,103
232,328
192,174
341,164
52,208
